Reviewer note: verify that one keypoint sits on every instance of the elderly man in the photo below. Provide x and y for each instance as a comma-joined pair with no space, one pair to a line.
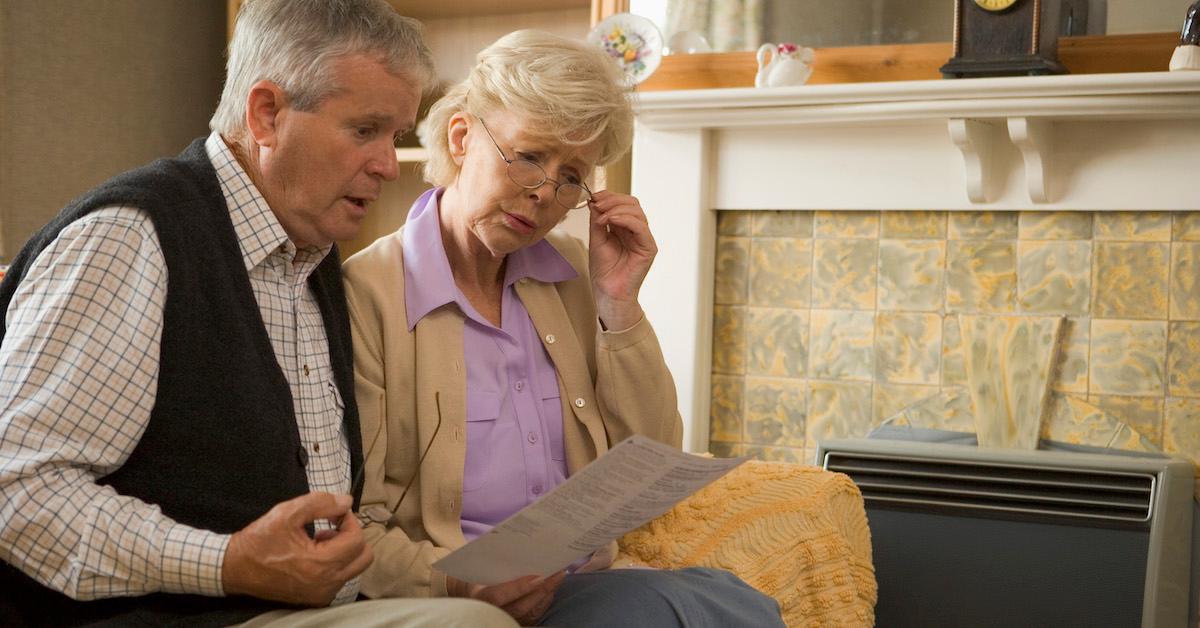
178,431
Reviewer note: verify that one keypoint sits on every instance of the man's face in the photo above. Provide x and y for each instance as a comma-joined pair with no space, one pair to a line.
320,169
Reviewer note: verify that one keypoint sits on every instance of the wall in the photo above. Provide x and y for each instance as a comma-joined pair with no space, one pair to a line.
827,323
90,89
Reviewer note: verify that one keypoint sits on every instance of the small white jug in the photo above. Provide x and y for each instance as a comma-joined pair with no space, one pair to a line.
783,64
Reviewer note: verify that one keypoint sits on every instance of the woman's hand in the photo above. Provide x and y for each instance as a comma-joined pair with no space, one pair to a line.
621,248
524,599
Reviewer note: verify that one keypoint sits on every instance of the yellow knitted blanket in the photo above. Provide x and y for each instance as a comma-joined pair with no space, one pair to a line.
797,533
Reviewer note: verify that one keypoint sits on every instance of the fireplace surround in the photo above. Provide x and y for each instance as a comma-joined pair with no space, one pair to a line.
1090,143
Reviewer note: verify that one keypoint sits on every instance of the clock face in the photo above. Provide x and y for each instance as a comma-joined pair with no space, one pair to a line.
995,5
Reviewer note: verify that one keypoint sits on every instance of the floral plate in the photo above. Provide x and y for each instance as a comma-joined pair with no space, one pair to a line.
633,41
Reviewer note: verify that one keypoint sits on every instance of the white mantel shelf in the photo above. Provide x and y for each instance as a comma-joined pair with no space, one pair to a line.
1110,96
1049,143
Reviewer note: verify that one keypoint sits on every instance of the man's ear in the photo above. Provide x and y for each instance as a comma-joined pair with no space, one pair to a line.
456,137
263,106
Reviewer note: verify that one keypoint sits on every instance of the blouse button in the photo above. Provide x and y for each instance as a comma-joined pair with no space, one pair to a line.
550,339
579,402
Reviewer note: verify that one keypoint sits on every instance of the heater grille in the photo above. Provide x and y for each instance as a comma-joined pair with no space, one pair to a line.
999,487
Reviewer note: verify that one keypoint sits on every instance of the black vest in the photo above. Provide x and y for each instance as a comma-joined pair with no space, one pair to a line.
222,446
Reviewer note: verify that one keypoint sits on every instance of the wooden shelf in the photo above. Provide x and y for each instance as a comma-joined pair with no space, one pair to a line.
1093,54
426,10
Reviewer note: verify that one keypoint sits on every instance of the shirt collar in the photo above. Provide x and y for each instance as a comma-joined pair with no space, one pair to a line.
428,281
258,231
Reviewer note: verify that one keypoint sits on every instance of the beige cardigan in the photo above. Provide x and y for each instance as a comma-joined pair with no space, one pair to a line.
613,385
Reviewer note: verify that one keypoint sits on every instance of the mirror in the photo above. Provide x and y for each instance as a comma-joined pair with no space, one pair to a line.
730,25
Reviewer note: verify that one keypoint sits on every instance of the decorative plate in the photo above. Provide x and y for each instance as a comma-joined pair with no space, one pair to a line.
633,41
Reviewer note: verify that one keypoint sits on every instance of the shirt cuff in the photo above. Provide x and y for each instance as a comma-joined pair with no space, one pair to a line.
192,560
617,340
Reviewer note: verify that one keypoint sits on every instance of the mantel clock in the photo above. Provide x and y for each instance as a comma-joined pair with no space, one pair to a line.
1012,37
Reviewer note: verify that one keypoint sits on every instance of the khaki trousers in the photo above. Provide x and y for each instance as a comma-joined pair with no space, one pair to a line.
398,613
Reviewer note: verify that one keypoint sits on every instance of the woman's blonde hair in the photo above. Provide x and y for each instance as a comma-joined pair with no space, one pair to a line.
569,90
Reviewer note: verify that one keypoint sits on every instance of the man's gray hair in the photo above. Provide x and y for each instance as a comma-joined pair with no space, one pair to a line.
294,43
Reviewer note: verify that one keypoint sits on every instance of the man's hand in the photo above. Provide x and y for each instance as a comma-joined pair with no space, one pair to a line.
525,599
274,559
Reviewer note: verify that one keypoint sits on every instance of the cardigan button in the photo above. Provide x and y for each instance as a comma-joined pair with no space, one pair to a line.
302,456
579,402
550,339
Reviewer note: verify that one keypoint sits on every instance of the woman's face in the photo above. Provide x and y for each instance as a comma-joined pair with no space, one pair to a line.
489,211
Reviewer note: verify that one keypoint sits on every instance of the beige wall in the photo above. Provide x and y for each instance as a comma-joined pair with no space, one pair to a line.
91,88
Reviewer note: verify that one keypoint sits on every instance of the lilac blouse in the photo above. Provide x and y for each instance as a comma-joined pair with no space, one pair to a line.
514,417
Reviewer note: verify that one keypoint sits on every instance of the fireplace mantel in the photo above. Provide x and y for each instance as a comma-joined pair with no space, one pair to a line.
1087,142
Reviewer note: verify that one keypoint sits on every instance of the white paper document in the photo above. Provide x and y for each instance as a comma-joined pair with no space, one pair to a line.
636,481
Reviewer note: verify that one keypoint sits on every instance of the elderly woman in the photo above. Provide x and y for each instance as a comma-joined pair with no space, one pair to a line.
495,357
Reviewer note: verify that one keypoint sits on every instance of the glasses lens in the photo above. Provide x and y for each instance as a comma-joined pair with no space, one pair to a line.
571,196
526,173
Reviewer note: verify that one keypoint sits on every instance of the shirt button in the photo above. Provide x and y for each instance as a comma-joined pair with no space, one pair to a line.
579,402
306,370
520,385
317,447
537,489
550,339
532,437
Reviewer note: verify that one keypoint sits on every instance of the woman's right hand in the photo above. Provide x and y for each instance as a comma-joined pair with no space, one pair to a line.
525,599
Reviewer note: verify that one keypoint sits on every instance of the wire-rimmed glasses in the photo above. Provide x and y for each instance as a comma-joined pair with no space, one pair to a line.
530,175
379,514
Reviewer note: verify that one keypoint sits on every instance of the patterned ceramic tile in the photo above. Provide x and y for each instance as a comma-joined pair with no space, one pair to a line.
1185,281
846,224
780,272
775,454
777,342
1130,280
725,414
1181,428
1072,373
954,365
733,223
1075,421
981,276
724,450
729,339
775,411
910,224
950,409
732,272
844,274
907,348
911,274
796,224
1055,226
1009,363
1054,277
1183,359
891,399
838,410
1187,226
1133,226
1128,357
842,345
983,225
1144,414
